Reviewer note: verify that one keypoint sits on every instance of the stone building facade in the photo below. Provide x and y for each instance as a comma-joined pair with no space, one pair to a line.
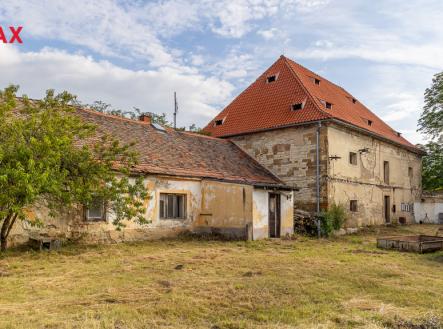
362,163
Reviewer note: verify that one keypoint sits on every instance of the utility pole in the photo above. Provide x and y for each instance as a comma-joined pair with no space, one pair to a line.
175,110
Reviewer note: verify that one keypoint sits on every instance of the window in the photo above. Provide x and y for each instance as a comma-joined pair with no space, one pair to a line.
354,100
353,158
218,122
172,206
316,81
386,171
297,106
369,122
271,78
410,172
328,105
353,205
406,207
96,210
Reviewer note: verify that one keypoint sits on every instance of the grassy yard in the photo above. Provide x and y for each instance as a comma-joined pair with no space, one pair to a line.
343,282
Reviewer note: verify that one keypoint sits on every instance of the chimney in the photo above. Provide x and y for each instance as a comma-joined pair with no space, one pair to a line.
145,118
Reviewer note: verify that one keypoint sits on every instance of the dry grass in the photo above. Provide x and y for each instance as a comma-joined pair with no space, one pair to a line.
337,283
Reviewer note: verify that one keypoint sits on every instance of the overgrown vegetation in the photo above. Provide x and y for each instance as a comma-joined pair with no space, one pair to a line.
42,161
342,282
332,219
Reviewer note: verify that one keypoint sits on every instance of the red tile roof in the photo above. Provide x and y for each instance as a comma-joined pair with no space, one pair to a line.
264,106
176,153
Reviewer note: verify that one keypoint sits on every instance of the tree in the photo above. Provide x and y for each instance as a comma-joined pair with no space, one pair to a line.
431,120
48,156
160,119
433,166
431,124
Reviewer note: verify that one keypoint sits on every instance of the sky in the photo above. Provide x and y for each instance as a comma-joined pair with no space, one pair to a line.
137,53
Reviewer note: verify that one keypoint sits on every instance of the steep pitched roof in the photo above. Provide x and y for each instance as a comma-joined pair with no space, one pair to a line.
169,152
264,105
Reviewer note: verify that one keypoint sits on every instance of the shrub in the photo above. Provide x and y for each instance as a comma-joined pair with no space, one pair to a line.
332,219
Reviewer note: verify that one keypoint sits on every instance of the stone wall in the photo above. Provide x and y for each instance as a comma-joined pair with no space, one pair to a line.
290,153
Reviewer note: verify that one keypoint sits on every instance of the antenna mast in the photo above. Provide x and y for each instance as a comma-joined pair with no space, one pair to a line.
175,110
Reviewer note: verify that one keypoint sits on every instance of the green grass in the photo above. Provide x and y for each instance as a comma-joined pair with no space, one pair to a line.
343,282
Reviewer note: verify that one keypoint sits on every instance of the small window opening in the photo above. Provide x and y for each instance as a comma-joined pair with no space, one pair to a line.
297,106
96,210
410,172
353,206
172,206
369,122
271,78
316,81
354,100
328,105
398,134
218,122
386,171
353,158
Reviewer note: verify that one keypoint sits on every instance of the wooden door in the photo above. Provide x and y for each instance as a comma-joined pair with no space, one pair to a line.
274,215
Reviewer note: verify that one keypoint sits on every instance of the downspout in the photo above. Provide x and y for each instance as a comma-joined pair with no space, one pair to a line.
318,178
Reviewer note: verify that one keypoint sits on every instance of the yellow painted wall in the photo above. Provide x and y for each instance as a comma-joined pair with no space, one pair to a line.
364,181
212,206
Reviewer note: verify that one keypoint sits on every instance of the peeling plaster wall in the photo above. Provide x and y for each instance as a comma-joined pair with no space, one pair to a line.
428,209
212,207
225,209
260,214
290,153
364,181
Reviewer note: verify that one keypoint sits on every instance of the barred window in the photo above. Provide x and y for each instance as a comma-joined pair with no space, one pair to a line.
172,206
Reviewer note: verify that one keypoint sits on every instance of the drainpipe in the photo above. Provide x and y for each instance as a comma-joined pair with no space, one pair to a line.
318,178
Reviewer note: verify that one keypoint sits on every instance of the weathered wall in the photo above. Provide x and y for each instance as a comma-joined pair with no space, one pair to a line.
290,153
429,207
225,209
364,181
260,214
212,206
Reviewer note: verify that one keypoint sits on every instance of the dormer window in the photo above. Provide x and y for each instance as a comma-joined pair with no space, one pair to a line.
398,134
369,122
271,78
328,105
317,81
218,122
297,106
354,100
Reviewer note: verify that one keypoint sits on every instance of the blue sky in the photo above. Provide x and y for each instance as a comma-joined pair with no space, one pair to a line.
137,53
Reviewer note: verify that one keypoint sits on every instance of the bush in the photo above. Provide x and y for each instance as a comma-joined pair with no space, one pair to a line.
332,219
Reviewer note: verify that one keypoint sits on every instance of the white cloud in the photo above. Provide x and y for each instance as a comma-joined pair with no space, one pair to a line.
268,34
200,98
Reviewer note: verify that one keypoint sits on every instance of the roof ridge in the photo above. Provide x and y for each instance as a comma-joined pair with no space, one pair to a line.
235,98
313,98
322,77
192,133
